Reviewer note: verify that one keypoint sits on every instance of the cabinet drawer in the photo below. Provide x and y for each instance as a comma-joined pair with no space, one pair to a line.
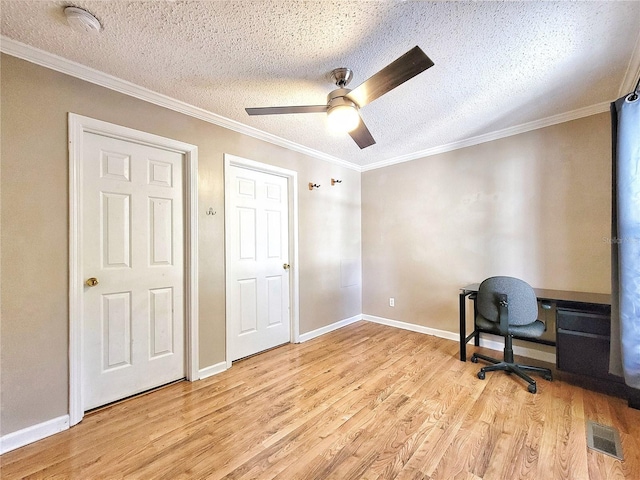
581,321
583,353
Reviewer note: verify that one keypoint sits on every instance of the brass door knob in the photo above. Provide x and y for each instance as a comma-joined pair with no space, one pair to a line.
286,266
92,282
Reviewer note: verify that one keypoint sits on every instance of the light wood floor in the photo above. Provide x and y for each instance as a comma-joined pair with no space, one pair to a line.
366,401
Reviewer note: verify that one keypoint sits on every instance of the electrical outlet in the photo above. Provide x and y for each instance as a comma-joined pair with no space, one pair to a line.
392,302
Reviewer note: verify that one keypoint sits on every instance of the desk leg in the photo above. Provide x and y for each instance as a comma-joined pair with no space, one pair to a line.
463,327
476,337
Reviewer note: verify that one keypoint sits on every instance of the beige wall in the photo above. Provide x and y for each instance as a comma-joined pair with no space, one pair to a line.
535,206
34,200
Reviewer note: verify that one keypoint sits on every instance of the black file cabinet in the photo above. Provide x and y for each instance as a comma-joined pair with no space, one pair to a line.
582,339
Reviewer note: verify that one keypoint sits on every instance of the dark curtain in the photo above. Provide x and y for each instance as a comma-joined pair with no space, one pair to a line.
625,240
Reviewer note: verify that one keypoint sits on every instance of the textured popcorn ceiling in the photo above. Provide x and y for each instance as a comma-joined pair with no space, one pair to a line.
497,65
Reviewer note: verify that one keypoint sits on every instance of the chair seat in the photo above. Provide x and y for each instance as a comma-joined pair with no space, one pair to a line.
534,329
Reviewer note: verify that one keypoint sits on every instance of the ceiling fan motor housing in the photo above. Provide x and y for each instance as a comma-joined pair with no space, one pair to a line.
339,97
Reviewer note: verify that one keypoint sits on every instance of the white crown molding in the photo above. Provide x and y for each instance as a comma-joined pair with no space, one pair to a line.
59,64
633,71
54,62
489,137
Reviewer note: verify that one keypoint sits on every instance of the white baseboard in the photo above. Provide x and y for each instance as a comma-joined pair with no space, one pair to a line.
212,370
31,434
485,341
413,327
37,432
304,337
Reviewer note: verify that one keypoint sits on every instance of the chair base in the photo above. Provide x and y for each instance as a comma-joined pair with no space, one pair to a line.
512,368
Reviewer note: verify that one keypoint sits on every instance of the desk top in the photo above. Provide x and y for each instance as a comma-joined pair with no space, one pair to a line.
557,295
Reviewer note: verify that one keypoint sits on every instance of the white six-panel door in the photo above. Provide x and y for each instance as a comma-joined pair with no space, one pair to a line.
257,261
132,241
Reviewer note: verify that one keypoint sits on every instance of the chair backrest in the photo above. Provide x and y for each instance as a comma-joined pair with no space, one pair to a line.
521,299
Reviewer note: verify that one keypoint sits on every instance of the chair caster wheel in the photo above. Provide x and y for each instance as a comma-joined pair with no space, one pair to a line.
549,378
481,375
532,388
474,359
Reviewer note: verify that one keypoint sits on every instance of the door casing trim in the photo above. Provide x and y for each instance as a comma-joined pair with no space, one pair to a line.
78,125
294,289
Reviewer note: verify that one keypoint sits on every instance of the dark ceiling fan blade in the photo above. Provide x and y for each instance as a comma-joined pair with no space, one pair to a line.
406,67
281,110
362,136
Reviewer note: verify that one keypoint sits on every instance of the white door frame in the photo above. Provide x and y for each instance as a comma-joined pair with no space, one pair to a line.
292,176
78,125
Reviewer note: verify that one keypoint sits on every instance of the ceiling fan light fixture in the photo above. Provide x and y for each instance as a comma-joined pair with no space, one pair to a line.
343,118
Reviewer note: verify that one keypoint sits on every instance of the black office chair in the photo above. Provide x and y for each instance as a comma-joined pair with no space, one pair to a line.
508,306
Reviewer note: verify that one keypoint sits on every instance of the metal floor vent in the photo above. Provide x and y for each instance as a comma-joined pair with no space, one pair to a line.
604,439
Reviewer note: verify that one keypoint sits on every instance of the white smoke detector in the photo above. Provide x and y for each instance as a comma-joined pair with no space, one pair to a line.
81,20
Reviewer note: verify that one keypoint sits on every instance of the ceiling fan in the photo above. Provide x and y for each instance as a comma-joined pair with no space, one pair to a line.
343,104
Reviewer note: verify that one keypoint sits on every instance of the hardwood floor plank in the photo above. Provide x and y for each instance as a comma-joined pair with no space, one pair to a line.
440,428
363,402
371,389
